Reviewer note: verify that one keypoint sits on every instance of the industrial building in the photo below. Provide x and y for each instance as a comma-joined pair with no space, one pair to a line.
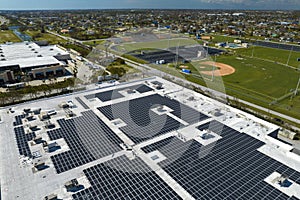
146,139
32,60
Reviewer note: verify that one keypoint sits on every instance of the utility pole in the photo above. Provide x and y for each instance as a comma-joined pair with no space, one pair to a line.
252,50
176,58
214,67
169,38
287,63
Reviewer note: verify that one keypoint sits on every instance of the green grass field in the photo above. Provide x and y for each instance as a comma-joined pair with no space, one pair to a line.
38,36
8,36
159,44
260,82
94,43
275,55
267,78
222,38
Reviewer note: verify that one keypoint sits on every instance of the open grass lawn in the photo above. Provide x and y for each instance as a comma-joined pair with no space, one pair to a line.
159,44
94,42
222,38
8,36
38,36
262,82
276,55
259,76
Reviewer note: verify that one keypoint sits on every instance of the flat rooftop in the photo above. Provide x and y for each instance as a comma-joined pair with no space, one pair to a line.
135,140
29,54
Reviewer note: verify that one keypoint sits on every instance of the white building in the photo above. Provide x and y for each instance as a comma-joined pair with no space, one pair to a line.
29,58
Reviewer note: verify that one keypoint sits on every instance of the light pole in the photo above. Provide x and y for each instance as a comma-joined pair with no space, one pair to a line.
287,62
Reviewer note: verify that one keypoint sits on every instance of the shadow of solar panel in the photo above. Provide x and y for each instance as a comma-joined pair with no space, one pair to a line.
142,123
88,138
22,140
114,94
121,178
230,169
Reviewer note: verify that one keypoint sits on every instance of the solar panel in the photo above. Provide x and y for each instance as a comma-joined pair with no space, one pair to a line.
88,138
18,119
121,178
114,94
230,169
82,103
144,124
22,139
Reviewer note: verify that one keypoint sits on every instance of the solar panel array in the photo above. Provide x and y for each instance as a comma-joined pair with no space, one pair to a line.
144,124
88,138
121,178
114,94
82,103
232,168
18,119
22,140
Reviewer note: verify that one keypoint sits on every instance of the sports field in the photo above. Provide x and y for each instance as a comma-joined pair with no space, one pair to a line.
273,55
8,36
261,82
158,44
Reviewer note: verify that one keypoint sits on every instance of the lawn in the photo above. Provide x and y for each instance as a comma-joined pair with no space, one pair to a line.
271,79
94,42
276,55
222,38
159,44
38,36
8,36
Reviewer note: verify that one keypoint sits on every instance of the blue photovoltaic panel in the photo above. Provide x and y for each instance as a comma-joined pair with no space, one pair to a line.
114,94
230,169
22,140
88,138
143,123
82,103
121,178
